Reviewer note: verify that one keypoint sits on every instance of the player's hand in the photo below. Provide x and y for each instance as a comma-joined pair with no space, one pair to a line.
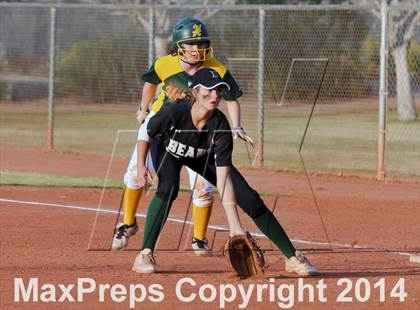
144,179
141,116
241,133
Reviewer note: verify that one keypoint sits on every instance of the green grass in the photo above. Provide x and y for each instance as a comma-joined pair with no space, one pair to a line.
338,139
48,180
38,179
81,131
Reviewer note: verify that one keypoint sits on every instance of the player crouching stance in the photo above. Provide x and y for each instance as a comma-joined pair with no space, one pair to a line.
194,133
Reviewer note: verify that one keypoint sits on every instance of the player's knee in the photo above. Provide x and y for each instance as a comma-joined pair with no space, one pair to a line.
168,190
130,178
167,196
251,203
202,198
256,211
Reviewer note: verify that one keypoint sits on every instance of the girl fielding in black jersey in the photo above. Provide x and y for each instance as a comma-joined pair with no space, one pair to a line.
194,133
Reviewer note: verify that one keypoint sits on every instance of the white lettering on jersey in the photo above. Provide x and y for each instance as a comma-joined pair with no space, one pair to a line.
201,152
179,149
172,146
190,152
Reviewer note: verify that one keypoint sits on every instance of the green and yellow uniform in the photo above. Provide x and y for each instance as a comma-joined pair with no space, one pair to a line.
168,71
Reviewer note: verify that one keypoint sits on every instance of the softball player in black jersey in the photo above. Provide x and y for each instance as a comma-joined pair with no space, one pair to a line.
194,133
191,50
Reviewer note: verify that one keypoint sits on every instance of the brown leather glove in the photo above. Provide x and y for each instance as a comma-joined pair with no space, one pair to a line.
244,256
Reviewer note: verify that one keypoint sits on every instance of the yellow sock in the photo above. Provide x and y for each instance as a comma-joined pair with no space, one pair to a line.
131,200
201,216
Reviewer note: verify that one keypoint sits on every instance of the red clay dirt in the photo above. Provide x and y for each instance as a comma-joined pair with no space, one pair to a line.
46,233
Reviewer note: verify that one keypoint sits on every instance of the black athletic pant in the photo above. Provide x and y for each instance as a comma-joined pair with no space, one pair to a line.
168,169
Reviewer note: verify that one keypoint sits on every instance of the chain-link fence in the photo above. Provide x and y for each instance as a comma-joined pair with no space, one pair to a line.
403,141
100,52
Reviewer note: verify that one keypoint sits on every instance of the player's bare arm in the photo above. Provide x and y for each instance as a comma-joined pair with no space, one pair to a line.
227,193
143,174
234,110
147,96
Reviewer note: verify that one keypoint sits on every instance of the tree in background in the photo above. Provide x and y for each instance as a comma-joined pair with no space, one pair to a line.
402,28
165,19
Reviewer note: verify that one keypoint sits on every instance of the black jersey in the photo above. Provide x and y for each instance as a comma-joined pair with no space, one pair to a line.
174,126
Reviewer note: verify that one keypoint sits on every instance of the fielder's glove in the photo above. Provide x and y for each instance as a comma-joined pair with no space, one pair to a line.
244,256
240,132
141,115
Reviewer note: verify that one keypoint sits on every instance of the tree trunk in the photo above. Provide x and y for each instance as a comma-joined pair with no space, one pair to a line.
406,107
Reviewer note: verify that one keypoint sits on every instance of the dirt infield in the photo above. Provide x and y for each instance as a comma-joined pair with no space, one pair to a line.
372,226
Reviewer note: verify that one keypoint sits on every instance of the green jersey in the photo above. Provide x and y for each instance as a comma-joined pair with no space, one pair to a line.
168,71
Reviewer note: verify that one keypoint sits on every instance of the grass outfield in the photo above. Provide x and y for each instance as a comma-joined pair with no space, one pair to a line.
340,138
48,180
40,179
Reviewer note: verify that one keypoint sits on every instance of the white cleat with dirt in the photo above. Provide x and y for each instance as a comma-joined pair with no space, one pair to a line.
123,232
200,247
300,264
145,262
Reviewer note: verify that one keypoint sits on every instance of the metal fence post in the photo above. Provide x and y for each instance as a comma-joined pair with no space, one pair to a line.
50,134
260,133
151,35
383,91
